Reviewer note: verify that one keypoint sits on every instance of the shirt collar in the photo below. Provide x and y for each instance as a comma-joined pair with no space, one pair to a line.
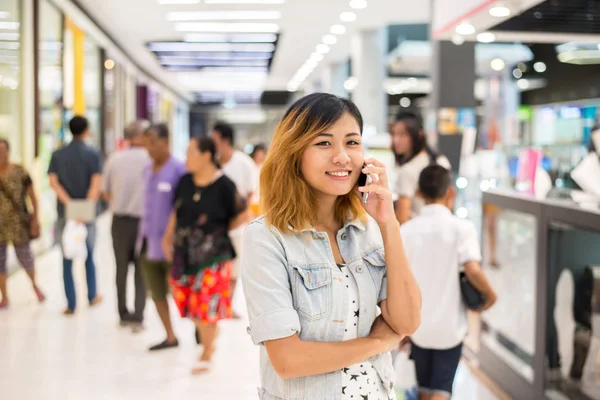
435,209
357,223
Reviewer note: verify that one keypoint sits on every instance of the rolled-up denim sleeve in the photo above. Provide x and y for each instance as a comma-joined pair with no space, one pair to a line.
266,286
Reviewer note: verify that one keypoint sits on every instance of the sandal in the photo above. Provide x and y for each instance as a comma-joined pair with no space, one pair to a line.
201,367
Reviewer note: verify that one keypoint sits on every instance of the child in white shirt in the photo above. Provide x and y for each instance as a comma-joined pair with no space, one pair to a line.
437,244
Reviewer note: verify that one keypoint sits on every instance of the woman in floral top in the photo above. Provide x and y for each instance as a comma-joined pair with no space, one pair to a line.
18,227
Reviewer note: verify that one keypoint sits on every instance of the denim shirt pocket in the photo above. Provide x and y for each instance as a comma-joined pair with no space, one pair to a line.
374,260
311,290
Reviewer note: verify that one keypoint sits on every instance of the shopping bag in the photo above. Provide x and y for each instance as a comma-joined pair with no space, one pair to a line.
406,377
73,241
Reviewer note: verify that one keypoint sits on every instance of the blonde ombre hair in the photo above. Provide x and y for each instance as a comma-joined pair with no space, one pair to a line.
288,202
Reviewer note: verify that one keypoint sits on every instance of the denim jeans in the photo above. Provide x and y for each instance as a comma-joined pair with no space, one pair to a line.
90,266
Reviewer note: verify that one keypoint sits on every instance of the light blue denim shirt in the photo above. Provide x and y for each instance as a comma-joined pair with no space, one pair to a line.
293,285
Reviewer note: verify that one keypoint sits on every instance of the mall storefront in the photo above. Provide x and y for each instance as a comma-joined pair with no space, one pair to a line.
54,65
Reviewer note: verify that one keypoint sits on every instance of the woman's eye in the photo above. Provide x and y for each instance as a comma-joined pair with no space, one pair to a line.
353,143
323,144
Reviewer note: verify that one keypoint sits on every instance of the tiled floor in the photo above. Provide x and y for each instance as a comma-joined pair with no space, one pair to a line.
46,356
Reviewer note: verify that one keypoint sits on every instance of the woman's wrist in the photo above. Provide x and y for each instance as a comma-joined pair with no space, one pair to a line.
389,226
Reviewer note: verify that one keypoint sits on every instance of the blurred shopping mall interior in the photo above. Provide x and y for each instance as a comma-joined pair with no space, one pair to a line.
509,91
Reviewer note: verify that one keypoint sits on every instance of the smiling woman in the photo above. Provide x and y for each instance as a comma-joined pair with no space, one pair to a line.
320,262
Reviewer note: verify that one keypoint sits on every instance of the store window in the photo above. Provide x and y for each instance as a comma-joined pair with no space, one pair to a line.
92,90
10,95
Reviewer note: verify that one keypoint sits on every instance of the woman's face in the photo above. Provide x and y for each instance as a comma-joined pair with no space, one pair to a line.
401,140
259,157
332,162
195,159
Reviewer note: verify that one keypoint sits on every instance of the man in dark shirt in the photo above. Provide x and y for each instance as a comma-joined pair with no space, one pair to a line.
75,173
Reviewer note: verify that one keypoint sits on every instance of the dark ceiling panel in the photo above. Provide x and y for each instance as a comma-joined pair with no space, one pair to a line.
399,33
557,16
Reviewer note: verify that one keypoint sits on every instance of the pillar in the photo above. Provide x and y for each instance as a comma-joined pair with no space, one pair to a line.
333,78
368,67
452,97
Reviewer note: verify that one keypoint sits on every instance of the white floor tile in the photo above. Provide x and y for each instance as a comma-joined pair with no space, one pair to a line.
46,356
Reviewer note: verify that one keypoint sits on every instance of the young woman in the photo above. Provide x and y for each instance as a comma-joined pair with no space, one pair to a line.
412,153
197,242
18,227
321,263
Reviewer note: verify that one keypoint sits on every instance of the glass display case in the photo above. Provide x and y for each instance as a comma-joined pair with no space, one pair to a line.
542,338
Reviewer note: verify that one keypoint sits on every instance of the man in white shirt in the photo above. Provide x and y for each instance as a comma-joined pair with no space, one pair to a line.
123,188
242,170
437,244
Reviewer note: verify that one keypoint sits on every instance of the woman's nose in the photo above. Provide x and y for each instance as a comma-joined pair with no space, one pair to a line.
341,158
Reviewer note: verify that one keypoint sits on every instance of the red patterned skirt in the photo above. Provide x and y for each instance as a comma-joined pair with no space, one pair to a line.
206,296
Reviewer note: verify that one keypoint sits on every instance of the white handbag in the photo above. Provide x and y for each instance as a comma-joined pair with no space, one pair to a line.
406,377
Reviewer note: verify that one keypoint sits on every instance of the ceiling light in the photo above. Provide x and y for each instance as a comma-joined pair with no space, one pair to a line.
244,1
486,37
317,56
358,4
179,1
465,29
4,14
204,57
329,39
523,84
222,15
517,73
497,64
338,29
500,11
109,64
322,48
348,16
216,47
539,67
350,84
226,27
405,102
458,39
9,36
233,38
9,25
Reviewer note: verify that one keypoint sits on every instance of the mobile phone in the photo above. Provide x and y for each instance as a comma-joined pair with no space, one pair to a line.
364,180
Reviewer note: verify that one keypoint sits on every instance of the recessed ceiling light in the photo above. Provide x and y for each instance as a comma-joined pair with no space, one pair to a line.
329,39
539,67
465,28
500,11
9,25
497,64
348,16
244,1
317,56
405,102
216,47
4,14
358,4
517,73
234,38
523,84
222,15
458,39
178,1
350,84
226,27
322,48
9,36
109,64
486,37
338,29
